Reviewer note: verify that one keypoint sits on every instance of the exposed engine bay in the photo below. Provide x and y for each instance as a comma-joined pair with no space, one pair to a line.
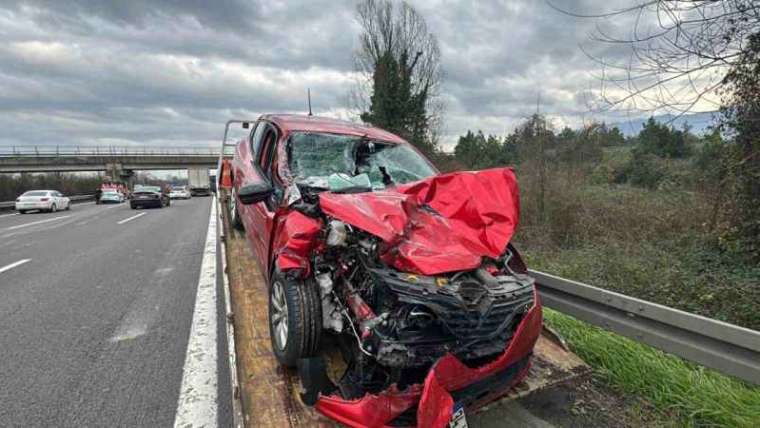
392,326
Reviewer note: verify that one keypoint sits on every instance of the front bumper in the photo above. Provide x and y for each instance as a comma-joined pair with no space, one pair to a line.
448,380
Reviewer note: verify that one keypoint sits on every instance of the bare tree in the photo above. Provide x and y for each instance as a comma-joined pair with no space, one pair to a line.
679,51
397,31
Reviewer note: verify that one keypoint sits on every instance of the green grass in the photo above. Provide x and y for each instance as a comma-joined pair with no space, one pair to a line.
697,396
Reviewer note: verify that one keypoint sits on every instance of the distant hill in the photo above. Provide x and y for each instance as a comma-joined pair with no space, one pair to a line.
699,122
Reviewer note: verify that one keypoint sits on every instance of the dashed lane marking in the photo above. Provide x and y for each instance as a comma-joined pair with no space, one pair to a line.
37,222
131,218
13,265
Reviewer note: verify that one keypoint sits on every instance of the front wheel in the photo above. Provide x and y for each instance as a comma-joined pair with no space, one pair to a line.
295,319
235,220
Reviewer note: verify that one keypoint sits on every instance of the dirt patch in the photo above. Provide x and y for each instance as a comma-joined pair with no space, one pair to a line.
591,403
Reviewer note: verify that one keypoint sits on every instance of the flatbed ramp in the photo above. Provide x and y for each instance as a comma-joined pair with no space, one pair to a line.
269,393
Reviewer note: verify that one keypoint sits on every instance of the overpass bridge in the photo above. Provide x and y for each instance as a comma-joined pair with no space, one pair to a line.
116,161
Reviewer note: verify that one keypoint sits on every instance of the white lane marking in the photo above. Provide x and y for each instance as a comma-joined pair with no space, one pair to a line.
197,396
37,222
8,215
131,218
13,265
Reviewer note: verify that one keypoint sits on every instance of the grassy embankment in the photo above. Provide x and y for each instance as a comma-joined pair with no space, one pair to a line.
656,245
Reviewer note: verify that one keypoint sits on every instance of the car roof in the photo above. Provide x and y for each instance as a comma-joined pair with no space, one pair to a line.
298,122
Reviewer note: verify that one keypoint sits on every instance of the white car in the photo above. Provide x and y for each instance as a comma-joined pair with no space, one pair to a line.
110,196
179,193
42,200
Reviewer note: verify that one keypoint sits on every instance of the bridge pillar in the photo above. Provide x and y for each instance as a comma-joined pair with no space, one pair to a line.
114,170
128,176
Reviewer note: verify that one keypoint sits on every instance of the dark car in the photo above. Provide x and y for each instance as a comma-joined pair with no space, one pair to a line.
408,272
149,196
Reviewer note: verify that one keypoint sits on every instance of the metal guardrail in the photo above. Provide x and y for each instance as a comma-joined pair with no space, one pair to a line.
727,348
74,198
73,151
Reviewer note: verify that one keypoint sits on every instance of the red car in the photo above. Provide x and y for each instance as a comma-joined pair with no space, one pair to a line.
407,274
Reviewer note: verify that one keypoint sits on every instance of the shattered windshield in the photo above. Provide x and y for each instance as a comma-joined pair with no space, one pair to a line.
313,157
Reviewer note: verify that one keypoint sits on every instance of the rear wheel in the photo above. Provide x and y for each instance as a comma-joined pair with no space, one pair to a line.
22,211
295,319
53,208
234,213
68,206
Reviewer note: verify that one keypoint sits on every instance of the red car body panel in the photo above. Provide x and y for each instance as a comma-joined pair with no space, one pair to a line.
444,223
295,239
450,375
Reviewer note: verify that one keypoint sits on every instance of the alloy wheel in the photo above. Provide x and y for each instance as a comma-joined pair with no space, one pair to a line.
279,315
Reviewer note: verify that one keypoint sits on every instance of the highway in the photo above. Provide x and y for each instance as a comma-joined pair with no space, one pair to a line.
96,309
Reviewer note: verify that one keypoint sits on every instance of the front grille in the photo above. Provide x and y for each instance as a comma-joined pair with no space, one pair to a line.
479,317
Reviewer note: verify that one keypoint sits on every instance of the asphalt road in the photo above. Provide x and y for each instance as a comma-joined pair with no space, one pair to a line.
96,307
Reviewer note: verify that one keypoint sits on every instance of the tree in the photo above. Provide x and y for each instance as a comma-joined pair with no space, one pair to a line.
662,140
399,60
679,51
741,119
469,149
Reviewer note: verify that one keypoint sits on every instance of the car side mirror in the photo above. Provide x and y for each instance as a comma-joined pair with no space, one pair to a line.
251,193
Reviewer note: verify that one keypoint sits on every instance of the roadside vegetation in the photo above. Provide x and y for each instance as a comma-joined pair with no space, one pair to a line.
651,216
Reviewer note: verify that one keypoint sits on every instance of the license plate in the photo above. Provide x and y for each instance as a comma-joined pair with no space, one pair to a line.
458,420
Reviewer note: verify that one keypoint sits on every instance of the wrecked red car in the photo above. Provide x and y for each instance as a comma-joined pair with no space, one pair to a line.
405,274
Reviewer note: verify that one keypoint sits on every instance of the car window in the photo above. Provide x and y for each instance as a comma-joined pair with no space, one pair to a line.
255,140
35,193
312,157
268,150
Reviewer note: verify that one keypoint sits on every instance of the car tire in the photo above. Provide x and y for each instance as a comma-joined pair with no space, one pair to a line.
22,211
295,319
68,206
134,207
53,208
235,219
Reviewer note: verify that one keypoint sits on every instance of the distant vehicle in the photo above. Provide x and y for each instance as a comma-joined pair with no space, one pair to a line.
42,200
149,196
179,192
198,181
110,197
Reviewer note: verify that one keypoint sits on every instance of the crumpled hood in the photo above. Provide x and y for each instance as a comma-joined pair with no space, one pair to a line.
444,223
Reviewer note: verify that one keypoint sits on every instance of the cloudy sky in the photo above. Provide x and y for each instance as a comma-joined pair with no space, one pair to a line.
113,72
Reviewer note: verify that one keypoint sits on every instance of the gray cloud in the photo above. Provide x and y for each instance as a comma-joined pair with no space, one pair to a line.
171,72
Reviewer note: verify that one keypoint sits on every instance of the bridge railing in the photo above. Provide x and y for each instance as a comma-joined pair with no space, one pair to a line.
73,151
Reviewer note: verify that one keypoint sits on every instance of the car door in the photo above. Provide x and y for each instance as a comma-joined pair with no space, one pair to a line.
258,218
261,215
